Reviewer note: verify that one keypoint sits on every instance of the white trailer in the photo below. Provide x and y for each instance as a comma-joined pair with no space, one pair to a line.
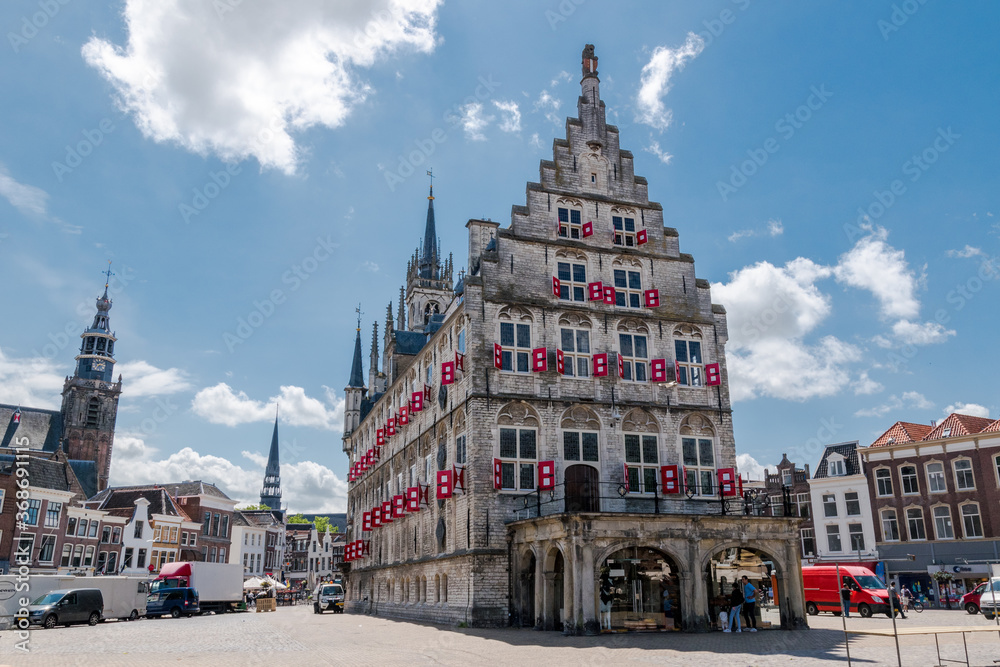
124,597
219,585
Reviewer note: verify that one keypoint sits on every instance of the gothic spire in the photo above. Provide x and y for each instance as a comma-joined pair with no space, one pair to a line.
357,378
429,252
270,493
401,312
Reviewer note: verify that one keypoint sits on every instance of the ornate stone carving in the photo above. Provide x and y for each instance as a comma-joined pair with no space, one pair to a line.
639,421
517,414
697,425
579,418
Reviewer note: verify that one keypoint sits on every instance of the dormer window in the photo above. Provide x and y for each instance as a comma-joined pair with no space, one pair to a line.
946,433
835,467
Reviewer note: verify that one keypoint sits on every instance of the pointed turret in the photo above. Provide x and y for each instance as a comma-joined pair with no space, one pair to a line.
270,493
429,268
357,379
373,358
401,313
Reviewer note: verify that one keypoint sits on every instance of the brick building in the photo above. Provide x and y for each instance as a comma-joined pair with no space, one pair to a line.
791,482
559,416
207,505
935,493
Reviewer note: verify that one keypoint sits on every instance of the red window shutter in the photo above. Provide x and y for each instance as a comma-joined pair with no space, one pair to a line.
366,523
555,287
447,372
459,477
370,457
445,484
387,511
601,365
609,295
640,237
376,517
417,401
669,480
539,359
652,298
380,436
390,427
596,291
659,367
727,481
427,392
497,474
677,371
349,552
404,415
366,547
546,475
621,367
424,490
560,362
713,375
398,506
413,499
625,470
497,356
459,362
588,229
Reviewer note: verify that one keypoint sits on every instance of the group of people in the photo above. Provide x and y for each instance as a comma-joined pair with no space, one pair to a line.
742,601
899,600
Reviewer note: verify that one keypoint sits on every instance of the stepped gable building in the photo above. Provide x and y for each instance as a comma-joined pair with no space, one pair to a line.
558,418
84,427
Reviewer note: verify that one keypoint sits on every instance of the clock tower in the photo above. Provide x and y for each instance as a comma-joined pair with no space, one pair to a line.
90,397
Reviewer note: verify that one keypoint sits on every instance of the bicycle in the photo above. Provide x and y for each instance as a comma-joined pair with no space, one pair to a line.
916,605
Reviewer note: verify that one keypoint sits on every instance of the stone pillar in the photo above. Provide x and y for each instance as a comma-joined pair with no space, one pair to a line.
569,585
548,601
696,619
587,614
539,591
793,604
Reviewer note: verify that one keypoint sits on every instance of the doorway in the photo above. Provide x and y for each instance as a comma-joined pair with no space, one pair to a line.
582,489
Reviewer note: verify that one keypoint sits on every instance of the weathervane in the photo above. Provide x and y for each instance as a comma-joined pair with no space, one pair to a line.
430,172
358,311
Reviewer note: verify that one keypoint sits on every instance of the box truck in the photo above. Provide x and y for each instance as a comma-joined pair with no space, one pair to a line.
219,585
124,597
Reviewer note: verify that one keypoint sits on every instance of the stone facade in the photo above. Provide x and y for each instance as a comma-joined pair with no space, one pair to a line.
529,334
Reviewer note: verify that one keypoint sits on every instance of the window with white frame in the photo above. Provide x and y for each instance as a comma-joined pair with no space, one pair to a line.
883,482
642,458
581,446
26,546
972,524
803,502
808,542
689,362
856,532
786,477
572,281
576,351
624,230
908,479
67,553
518,455
515,339
635,356
459,455
935,478
48,548
890,526
777,505
461,341
628,288
915,524
964,480
943,527
699,465
829,505
570,225
52,514
429,468
93,528
853,503
34,506
833,538
835,466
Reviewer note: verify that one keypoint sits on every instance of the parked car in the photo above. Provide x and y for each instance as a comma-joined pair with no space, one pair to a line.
868,592
328,597
970,601
67,606
173,601
989,600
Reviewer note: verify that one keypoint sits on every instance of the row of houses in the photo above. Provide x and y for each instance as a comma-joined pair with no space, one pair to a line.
919,500
51,523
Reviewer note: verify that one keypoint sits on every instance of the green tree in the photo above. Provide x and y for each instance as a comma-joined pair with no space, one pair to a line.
322,524
297,518
253,507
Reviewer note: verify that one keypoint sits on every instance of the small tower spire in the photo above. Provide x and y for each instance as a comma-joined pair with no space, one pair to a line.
373,359
429,252
270,493
357,380
401,311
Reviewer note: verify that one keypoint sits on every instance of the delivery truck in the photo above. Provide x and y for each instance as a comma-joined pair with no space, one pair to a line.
124,597
822,590
219,585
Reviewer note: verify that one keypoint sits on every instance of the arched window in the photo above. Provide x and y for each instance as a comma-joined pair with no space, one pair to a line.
431,308
518,447
571,270
444,588
698,455
623,220
437,588
77,555
633,346
688,353
628,283
581,435
570,212
574,340
515,340
642,455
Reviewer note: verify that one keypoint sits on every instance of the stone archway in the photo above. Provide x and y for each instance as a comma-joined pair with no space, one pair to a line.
557,583
526,590
725,565
648,587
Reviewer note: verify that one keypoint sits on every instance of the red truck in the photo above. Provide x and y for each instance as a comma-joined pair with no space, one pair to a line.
822,590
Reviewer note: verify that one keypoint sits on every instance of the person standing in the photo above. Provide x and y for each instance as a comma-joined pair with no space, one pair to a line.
749,604
845,598
606,599
906,595
894,601
735,604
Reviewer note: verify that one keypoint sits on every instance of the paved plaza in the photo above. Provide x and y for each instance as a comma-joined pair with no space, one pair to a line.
296,636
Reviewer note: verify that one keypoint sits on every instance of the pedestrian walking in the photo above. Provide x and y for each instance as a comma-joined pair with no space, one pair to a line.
735,604
749,604
906,595
894,601
845,598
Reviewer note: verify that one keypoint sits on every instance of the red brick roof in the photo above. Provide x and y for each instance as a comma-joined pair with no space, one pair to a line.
992,428
902,432
959,425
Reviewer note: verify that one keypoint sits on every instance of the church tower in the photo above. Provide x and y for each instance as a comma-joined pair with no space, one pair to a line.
428,281
270,493
354,392
90,398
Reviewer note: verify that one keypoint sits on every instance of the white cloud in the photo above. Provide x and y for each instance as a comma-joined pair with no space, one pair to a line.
140,378
221,405
474,122
33,381
971,409
966,252
510,119
913,333
874,265
306,486
655,80
26,198
865,386
238,79
654,148
369,265
549,106
560,77
772,229
130,447
749,467
911,400
535,141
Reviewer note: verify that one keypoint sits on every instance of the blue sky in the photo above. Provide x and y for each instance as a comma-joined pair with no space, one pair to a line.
831,166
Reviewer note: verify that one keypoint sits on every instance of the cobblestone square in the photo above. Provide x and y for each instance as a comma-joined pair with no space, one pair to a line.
296,636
